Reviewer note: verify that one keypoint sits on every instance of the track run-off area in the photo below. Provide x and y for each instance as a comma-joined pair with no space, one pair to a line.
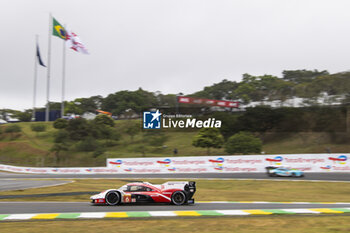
80,210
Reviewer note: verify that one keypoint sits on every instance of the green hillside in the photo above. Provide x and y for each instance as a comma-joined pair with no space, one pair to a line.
33,149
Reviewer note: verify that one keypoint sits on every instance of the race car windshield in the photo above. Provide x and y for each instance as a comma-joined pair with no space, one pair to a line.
124,188
139,188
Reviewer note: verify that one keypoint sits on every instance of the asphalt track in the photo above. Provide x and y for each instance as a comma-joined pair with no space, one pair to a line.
76,207
6,185
308,176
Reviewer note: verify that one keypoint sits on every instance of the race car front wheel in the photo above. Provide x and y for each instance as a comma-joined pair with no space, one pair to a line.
112,198
178,198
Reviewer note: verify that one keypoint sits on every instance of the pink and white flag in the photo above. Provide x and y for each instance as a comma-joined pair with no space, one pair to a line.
74,42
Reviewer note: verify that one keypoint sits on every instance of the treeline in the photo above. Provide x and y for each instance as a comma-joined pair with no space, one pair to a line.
309,84
293,83
284,120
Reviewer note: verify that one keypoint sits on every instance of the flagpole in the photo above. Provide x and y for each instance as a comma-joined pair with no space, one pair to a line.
48,71
35,76
63,76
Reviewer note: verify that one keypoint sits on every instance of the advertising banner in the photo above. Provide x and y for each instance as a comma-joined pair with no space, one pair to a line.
245,163
202,164
220,103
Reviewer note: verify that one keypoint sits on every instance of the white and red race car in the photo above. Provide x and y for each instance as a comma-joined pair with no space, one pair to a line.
173,192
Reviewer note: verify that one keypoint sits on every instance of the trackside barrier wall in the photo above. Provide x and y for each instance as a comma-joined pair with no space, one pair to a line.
203,164
229,164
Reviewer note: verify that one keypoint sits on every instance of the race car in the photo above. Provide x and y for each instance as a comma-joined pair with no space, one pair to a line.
173,192
283,171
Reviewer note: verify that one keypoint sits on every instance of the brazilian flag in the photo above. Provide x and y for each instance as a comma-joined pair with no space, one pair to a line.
58,30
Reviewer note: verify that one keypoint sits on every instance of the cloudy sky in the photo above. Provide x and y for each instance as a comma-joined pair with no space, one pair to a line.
167,45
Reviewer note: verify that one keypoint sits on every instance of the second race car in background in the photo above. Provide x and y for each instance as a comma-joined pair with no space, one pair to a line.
283,171
175,192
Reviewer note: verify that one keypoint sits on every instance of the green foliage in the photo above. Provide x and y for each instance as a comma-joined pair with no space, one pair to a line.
266,119
87,144
208,138
222,90
300,83
259,119
60,123
229,121
78,129
82,135
81,105
13,128
61,136
293,83
300,76
243,143
38,127
25,116
58,147
122,101
102,128
103,119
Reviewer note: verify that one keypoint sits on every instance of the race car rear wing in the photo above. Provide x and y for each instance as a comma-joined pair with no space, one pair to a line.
185,185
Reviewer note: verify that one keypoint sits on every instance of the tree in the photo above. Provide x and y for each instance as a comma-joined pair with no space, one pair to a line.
121,101
243,142
230,123
103,119
25,116
299,76
61,136
38,128
221,90
259,119
102,127
208,138
88,144
60,123
78,129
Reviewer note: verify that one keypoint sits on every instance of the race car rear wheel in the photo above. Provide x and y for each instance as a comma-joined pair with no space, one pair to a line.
178,198
112,198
